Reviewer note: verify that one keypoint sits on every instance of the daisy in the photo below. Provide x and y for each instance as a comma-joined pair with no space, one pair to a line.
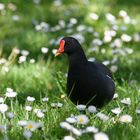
94,16
102,116
27,134
3,108
116,110
10,115
92,109
81,107
44,50
3,128
76,132
65,125
125,118
114,68
59,104
22,123
71,120
32,126
32,61
30,99
69,138
126,38
24,52
1,99
22,59
11,94
82,119
92,129
101,136
138,111
126,101
45,99
40,114
2,6
28,108
115,96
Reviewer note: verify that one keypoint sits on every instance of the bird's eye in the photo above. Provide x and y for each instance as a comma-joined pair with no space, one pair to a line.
67,43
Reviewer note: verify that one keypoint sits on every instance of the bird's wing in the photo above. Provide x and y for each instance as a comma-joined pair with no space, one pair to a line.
104,69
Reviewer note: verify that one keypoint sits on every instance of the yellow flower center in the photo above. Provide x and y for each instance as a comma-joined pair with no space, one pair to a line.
81,120
30,126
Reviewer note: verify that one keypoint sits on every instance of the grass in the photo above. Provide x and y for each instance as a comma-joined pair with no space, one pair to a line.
46,77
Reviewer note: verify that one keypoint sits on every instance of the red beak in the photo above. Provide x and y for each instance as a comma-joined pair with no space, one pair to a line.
61,48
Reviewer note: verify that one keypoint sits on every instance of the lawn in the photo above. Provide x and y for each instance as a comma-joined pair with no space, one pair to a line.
33,101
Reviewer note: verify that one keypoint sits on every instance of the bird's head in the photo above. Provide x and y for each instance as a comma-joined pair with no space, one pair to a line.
68,45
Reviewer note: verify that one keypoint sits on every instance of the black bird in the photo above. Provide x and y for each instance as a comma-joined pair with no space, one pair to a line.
88,82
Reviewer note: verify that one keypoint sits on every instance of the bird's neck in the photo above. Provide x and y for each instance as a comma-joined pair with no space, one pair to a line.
77,59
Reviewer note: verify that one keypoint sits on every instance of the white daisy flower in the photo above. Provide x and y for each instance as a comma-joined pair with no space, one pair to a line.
101,136
66,125
59,104
27,134
126,38
97,42
129,50
45,99
81,107
91,59
92,109
28,108
71,120
114,68
107,62
2,6
102,116
122,13
22,59
125,118
15,18
36,110
24,52
32,126
32,61
1,99
10,115
54,51
22,123
138,111
92,129
115,96
82,119
40,114
76,132
136,37
116,110
111,18
9,90
3,128
107,38
81,28
94,16
11,94
73,21
126,101
69,138
30,99
3,108
44,50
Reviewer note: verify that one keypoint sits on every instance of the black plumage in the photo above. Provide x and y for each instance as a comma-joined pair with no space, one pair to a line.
87,82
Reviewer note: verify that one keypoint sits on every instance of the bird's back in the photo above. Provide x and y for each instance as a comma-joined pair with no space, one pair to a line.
91,84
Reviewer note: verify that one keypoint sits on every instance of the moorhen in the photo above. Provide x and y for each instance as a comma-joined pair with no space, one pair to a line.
88,83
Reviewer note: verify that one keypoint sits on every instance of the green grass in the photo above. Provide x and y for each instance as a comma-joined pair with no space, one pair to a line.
46,77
